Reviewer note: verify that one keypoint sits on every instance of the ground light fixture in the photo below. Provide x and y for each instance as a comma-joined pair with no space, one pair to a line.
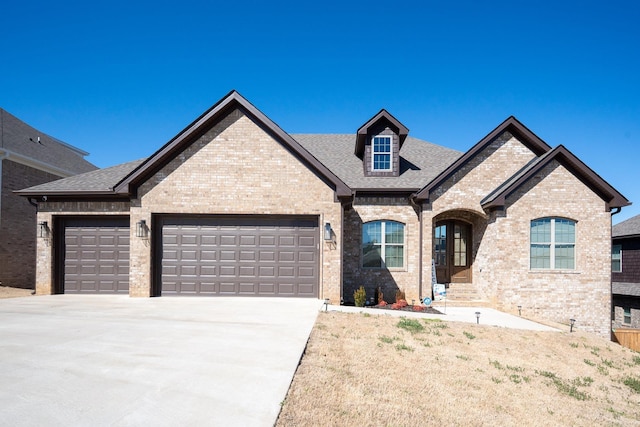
573,321
478,317
520,310
326,304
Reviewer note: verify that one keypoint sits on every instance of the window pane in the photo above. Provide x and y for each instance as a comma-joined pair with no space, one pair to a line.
541,231
381,161
540,256
371,233
394,256
382,144
394,233
616,258
371,256
564,258
565,231
441,245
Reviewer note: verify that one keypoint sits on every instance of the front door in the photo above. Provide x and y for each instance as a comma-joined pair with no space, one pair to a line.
452,251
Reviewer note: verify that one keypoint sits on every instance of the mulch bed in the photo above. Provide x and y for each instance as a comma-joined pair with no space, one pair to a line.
411,308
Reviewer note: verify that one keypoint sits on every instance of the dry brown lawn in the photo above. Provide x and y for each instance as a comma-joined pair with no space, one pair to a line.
378,370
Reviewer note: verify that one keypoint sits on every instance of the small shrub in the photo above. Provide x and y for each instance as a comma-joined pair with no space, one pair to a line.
400,295
636,360
360,296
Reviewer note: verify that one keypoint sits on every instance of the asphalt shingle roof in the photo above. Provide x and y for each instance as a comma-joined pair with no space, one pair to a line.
420,161
18,137
630,227
100,180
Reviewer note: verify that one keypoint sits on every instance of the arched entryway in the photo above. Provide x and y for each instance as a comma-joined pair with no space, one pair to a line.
453,243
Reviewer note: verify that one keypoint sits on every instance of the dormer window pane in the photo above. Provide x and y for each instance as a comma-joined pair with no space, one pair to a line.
381,153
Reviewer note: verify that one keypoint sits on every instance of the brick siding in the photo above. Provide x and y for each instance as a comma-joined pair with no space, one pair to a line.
18,225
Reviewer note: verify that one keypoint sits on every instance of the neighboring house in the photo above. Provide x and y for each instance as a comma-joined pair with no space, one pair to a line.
233,205
27,157
625,274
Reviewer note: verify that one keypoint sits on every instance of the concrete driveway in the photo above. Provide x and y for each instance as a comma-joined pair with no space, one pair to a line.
118,361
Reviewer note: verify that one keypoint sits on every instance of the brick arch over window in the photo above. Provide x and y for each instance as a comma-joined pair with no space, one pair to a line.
553,243
383,244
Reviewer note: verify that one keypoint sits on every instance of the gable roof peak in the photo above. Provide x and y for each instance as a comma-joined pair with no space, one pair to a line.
510,124
382,115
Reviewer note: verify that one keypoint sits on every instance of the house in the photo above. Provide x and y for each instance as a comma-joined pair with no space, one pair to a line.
27,157
625,274
234,205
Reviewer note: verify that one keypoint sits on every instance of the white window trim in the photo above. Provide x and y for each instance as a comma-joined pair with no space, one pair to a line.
373,153
612,270
552,246
383,245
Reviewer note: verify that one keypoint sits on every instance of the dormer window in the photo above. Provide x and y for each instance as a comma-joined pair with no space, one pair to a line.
381,153
378,144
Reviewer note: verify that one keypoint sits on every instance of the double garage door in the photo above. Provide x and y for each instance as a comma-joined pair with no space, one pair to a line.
209,255
239,256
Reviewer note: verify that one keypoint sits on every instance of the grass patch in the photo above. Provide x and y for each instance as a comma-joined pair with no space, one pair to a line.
387,340
589,362
403,347
632,383
462,357
411,325
469,335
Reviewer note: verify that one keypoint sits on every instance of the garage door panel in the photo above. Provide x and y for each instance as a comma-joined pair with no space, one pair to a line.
239,255
95,255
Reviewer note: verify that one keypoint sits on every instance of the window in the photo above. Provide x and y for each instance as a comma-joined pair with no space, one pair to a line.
627,315
553,242
381,153
616,258
383,244
441,245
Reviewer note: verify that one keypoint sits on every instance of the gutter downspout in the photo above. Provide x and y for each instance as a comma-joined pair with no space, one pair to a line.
617,211
420,238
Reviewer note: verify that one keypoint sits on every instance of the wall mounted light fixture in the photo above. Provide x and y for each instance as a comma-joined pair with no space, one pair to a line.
43,230
328,232
142,230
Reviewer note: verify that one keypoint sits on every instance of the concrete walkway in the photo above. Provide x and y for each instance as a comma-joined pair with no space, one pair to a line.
100,360
488,316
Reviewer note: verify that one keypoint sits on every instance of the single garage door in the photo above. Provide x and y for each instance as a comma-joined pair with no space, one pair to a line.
240,255
96,255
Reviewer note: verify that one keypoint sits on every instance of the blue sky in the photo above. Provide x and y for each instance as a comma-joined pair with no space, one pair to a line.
121,78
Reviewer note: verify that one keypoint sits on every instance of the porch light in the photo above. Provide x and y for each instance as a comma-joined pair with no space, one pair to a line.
43,230
328,232
573,321
141,229
478,317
